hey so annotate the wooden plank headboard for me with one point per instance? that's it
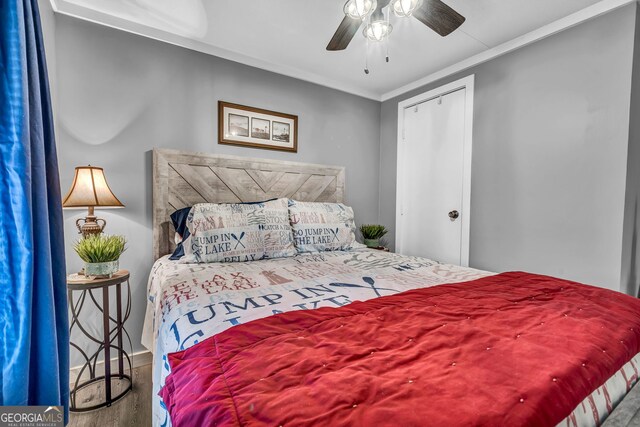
(182, 179)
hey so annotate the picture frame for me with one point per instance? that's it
(252, 127)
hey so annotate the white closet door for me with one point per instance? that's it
(431, 179)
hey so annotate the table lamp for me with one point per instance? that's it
(90, 190)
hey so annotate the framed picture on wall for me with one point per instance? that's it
(256, 128)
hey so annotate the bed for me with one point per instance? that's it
(205, 320)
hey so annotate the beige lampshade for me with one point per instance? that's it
(90, 188)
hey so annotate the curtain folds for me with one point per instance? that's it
(34, 342)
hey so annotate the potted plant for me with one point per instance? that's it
(372, 233)
(100, 253)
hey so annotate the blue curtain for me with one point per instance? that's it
(34, 338)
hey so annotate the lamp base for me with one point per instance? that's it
(90, 225)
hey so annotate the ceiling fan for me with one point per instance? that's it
(433, 13)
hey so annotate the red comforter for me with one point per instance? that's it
(510, 350)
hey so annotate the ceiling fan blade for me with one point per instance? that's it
(343, 35)
(439, 17)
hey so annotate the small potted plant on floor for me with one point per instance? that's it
(100, 254)
(372, 233)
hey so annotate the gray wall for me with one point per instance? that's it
(630, 276)
(120, 95)
(551, 124)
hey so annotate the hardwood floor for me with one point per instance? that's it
(627, 413)
(133, 410)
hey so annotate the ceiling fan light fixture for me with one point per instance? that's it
(377, 31)
(405, 8)
(360, 9)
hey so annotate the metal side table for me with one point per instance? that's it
(112, 337)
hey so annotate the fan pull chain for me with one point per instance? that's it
(366, 58)
(386, 41)
(387, 46)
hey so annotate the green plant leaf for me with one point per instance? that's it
(372, 231)
(100, 248)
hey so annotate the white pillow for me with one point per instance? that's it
(322, 226)
(238, 232)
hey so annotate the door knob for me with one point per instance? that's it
(453, 215)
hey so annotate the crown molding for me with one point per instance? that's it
(593, 11)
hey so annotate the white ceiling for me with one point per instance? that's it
(289, 36)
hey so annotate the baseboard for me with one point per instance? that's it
(138, 359)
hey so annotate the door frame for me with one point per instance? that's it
(466, 83)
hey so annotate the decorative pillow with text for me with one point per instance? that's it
(238, 232)
(321, 227)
